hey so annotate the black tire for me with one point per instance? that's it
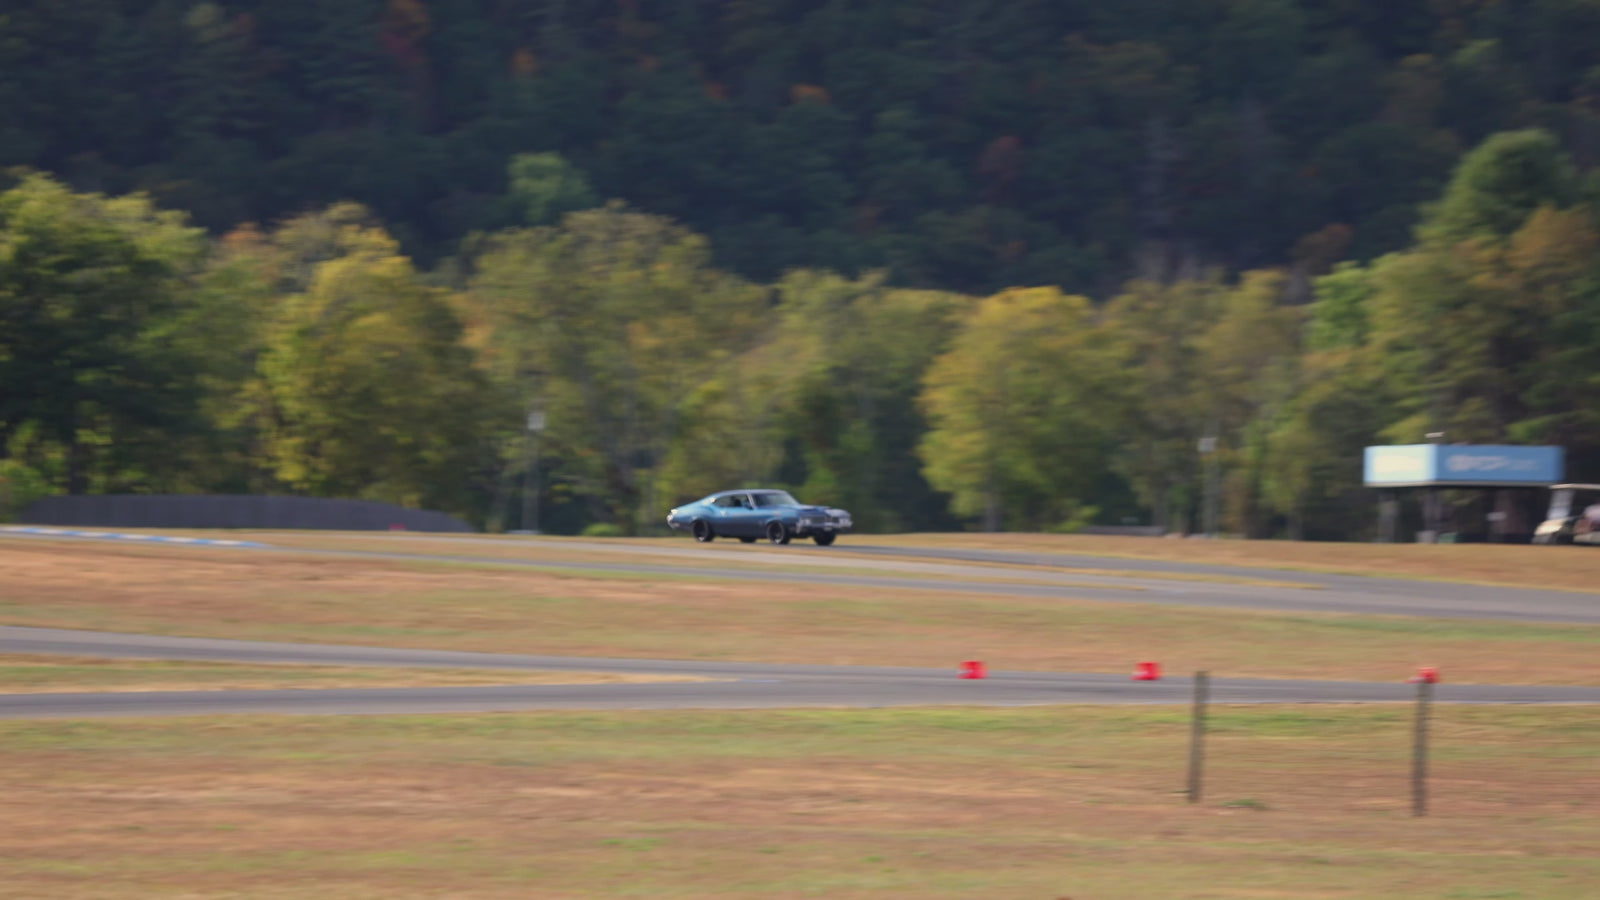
(777, 533)
(702, 532)
(824, 538)
(747, 540)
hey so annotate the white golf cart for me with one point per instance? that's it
(1574, 516)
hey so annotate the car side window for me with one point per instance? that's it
(732, 501)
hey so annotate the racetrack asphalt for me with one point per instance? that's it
(1024, 574)
(975, 571)
(753, 685)
(733, 685)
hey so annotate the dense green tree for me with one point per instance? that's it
(1465, 323)
(608, 322)
(1156, 329)
(93, 291)
(1499, 184)
(1309, 471)
(222, 330)
(1208, 365)
(727, 432)
(1418, 173)
(958, 146)
(1018, 411)
(1249, 356)
(545, 187)
(365, 387)
(846, 364)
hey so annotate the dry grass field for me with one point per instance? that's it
(1062, 802)
(1555, 568)
(1068, 802)
(729, 555)
(264, 595)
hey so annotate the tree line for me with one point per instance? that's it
(140, 354)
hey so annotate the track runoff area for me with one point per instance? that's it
(973, 682)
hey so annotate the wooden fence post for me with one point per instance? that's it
(1197, 734)
(1419, 750)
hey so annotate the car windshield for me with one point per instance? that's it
(775, 498)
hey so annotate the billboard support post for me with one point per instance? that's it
(1388, 516)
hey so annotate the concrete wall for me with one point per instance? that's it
(234, 511)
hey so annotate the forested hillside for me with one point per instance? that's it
(983, 264)
(960, 144)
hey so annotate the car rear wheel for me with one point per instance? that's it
(702, 532)
(777, 533)
(824, 538)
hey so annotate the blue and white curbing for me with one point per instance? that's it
(124, 536)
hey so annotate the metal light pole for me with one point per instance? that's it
(1208, 512)
(530, 498)
(1433, 501)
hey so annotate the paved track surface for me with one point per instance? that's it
(978, 571)
(737, 685)
(996, 572)
(749, 685)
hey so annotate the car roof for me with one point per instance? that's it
(747, 491)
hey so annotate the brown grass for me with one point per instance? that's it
(1554, 568)
(276, 596)
(33, 674)
(1563, 568)
(761, 557)
(1037, 803)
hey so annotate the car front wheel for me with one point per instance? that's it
(823, 538)
(777, 533)
(702, 532)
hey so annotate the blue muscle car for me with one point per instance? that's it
(748, 515)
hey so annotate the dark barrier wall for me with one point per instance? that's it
(233, 511)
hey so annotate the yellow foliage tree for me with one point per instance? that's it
(1019, 410)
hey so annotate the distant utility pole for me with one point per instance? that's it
(530, 477)
(1208, 512)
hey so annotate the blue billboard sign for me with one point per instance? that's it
(1463, 465)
